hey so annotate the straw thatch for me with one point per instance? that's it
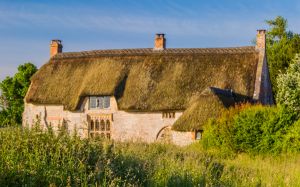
(143, 79)
(208, 105)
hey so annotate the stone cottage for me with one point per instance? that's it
(145, 94)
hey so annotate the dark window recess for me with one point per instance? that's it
(107, 125)
(168, 115)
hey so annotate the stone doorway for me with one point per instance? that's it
(164, 135)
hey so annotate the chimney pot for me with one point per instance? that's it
(160, 41)
(261, 39)
(55, 47)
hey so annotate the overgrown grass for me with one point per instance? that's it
(33, 158)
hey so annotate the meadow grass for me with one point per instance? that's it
(36, 158)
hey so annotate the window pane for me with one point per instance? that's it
(100, 102)
(102, 135)
(102, 125)
(107, 125)
(97, 125)
(92, 125)
(93, 102)
(198, 135)
(106, 103)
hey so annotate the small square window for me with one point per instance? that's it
(198, 134)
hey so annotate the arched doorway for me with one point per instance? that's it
(164, 135)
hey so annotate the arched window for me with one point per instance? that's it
(97, 125)
(102, 125)
(107, 125)
(92, 125)
(102, 135)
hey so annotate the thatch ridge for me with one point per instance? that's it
(147, 51)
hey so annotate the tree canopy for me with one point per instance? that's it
(282, 46)
(13, 90)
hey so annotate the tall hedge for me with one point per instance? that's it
(254, 129)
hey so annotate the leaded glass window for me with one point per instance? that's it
(102, 102)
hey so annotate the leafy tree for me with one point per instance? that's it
(13, 90)
(282, 45)
(288, 93)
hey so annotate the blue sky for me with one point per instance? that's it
(27, 26)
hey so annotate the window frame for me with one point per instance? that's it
(201, 134)
(100, 102)
(100, 128)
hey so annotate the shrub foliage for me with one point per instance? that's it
(254, 129)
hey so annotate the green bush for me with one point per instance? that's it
(253, 129)
(291, 141)
(262, 129)
(219, 132)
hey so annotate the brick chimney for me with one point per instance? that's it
(160, 42)
(55, 47)
(261, 39)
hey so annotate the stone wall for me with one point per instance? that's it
(125, 126)
(182, 138)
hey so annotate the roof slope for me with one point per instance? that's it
(144, 79)
(208, 105)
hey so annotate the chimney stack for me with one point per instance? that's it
(160, 42)
(55, 47)
(261, 39)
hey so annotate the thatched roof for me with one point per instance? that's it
(143, 79)
(209, 104)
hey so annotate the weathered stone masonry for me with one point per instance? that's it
(125, 126)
